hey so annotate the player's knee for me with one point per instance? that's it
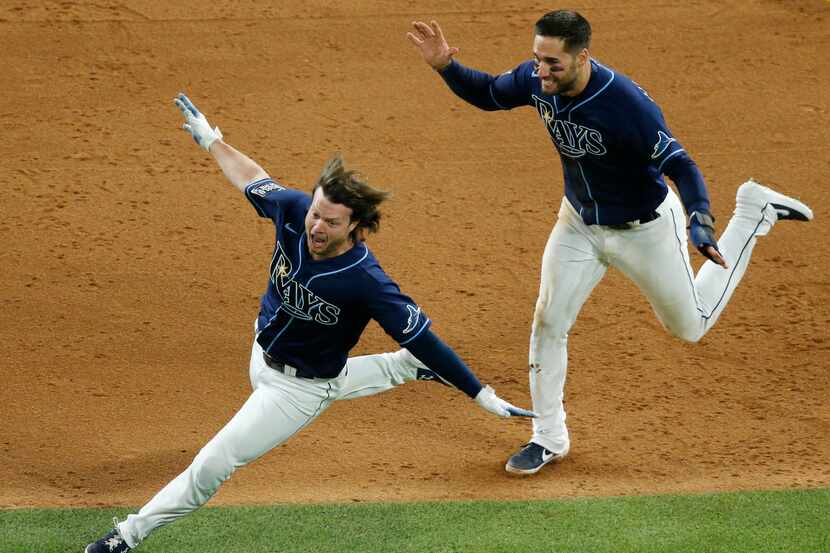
(405, 358)
(547, 323)
(401, 366)
(209, 469)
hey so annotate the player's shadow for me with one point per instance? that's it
(113, 473)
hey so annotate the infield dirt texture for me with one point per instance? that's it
(132, 269)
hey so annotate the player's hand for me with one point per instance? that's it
(702, 235)
(429, 39)
(488, 399)
(196, 123)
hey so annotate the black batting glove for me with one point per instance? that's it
(702, 231)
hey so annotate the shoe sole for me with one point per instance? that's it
(798, 211)
(786, 213)
(527, 472)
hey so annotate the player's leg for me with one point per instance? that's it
(366, 375)
(757, 210)
(655, 257)
(278, 407)
(572, 266)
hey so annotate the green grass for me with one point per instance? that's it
(797, 521)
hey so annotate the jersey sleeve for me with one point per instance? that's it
(512, 88)
(491, 93)
(270, 198)
(652, 139)
(396, 313)
(689, 181)
(656, 144)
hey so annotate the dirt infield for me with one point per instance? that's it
(132, 270)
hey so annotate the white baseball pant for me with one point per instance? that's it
(654, 255)
(279, 407)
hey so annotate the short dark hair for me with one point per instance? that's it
(349, 188)
(570, 26)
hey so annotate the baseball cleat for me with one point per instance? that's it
(785, 207)
(111, 543)
(531, 458)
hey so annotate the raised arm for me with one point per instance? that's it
(430, 41)
(238, 168)
(485, 91)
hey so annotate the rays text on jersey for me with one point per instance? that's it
(571, 140)
(297, 300)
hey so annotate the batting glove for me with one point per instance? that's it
(702, 231)
(488, 399)
(196, 123)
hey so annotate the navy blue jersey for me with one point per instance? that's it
(612, 139)
(313, 312)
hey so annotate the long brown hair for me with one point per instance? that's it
(349, 188)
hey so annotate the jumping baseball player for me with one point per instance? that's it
(323, 287)
(615, 147)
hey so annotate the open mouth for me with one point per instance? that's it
(318, 242)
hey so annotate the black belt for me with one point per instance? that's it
(633, 224)
(287, 370)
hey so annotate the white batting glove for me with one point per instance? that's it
(488, 399)
(196, 123)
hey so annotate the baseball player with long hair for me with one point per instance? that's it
(324, 285)
(615, 147)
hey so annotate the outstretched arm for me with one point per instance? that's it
(485, 91)
(238, 168)
(441, 359)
